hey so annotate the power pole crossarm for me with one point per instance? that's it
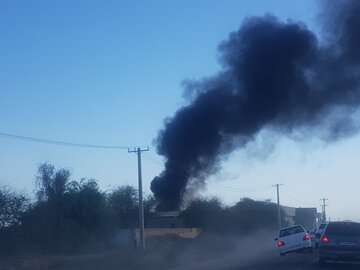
(141, 203)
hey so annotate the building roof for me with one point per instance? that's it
(168, 214)
(289, 211)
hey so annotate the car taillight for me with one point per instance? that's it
(280, 243)
(325, 239)
(306, 237)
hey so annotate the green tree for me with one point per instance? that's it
(85, 205)
(12, 207)
(123, 203)
(250, 215)
(150, 203)
(204, 213)
(51, 184)
(68, 214)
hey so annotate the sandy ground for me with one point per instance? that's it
(208, 252)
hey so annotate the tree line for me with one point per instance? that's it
(68, 216)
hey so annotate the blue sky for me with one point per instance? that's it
(110, 72)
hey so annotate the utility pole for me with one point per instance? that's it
(278, 203)
(141, 204)
(323, 206)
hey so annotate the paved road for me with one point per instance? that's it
(294, 261)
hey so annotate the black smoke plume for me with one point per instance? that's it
(276, 75)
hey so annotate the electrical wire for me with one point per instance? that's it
(153, 158)
(244, 189)
(62, 143)
(148, 157)
(295, 198)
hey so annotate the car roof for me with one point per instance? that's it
(343, 222)
(289, 227)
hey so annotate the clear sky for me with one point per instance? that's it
(110, 72)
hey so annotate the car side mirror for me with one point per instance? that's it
(276, 239)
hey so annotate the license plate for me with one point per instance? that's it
(347, 244)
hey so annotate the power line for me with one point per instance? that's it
(62, 143)
(153, 160)
(243, 189)
(295, 198)
(228, 188)
(161, 164)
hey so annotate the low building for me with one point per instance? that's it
(168, 219)
(306, 217)
(289, 214)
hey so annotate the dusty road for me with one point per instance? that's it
(268, 261)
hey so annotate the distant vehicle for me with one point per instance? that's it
(340, 241)
(293, 239)
(318, 233)
(312, 237)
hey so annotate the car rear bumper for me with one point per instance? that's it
(344, 255)
(302, 246)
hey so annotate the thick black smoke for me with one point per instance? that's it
(276, 75)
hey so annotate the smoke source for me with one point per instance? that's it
(275, 75)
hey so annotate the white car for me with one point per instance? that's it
(293, 239)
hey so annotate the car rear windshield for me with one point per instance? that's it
(343, 229)
(322, 226)
(291, 231)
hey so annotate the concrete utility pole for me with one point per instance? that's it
(141, 204)
(278, 203)
(323, 206)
